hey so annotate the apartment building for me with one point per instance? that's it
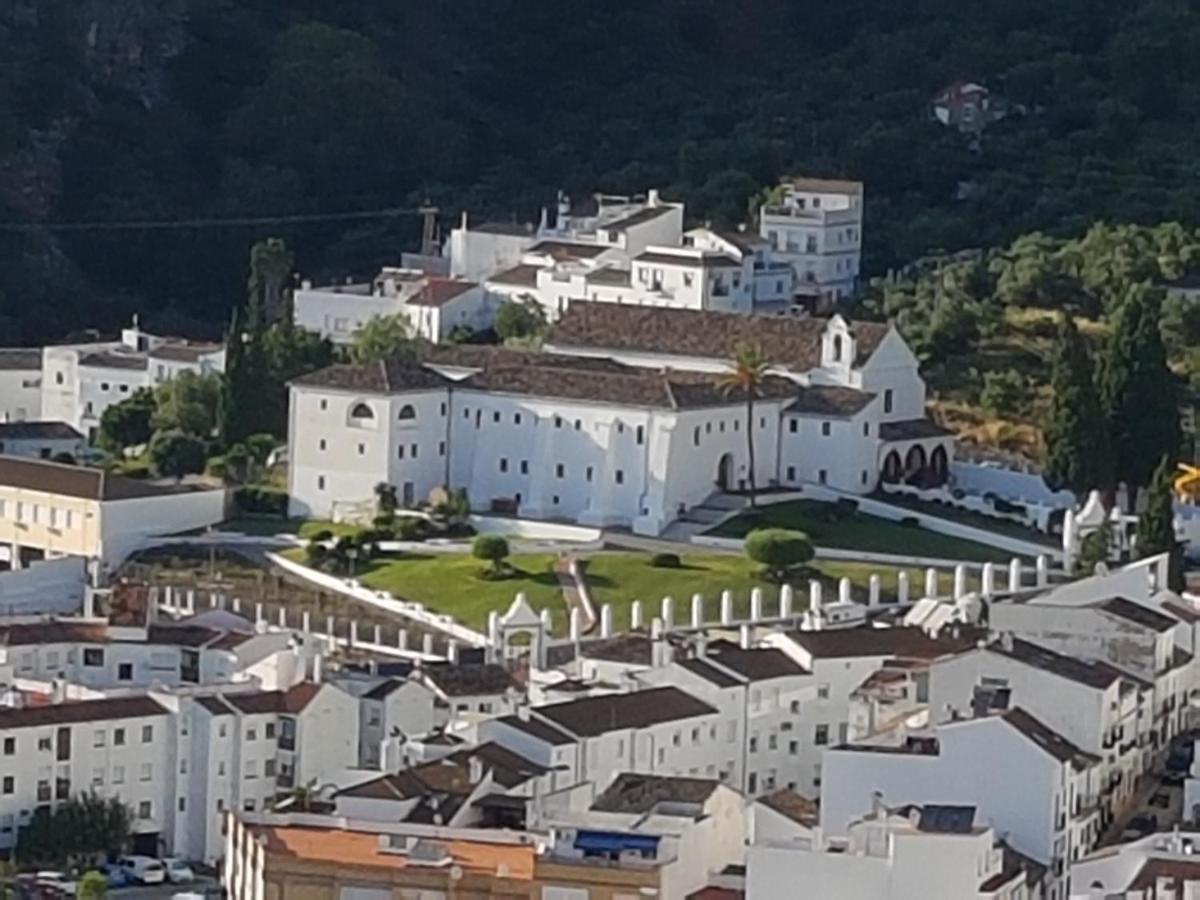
(20, 384)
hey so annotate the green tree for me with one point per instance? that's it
(76, 829)
(1138, 391)
(747, 371)
(778, 550)
(1156, 525)
(1095, 548)
(175, 453)
(128, 423)
(1076, 433)
(384, 338)
(92, 886)
(386, 503)
(1004, 392)
(492, 548)
(518, 320)
(287, 352)
(270, 268)
(189, 402)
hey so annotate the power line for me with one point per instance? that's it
(236, 222)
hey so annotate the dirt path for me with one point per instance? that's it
(571, 595)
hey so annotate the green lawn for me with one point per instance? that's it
(858, 531)
(452, 583)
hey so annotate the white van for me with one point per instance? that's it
(143, 869)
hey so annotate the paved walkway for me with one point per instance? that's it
(570, 591)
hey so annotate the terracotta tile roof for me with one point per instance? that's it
(1069, 667)
(20, 358)
(53, 631)
(755, 664)
(515, 229)
(518, 276)
(1137, 613)
(592, 716)
(568, 250)
(611, 276)
(184, 352)
(38, 431)
(911, 430)
(1176, 872)
(649, 214)
(362, 848)
(689, 260)
(1185, 611)
(786, 341)
(437, 292)
(830, 400)
(867, 641)
(377, 378)
(745, 241)
(630, 647)
(794, 806)
(825, 185)
(710, 673)
(536, 728)
(81, 711)
(289, 702)
(467, 680)
(1048, 739)
(636, 793)
(77, 481)
(103, 359)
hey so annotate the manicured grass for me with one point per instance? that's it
(973, 519)
(452, 583)
(858, 531)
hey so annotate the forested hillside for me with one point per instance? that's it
(161, 109)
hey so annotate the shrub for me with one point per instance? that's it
(492, 548)
(215, 467)
(778, 550)
(665, 560)
(1005, 506)
(261, 501)
(320, 537)
(910, 522)
(411, 528)
(1004, 392)
(315, 554)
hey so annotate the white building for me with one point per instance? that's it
(928, 851)
(120, 747)
(1156, 867)
(20, 384)
(80, 381)
(50, 509)
(1024, 780)
(434, 306)
(40, 440)
(629, 399)
(817, 227)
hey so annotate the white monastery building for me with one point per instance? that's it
(623, 421)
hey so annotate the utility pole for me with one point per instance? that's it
(429, 228)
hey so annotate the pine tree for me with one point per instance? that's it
(1138, 391)
(239, 386)
(1078, 454)
(1156, 525)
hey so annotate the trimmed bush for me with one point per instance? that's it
(779, 550)
(493, 548)
(261, 501)
(665, 561)
(411, 528)
(320, 537)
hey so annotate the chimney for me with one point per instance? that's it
(523, 712)
(1006, 641)
(878, 810)
(652, 198)
(464, 220)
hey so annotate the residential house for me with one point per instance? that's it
(20, 384)
(1155, 867)
(40, 440)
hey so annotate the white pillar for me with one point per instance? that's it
(988, 579)
(427, 644)
(378, 636)
(452, 651)
(329, 631)
(960, 581)
(258, 614)
(1014, 574)
(547, 621)
(744, 636)
(902, 587)
(606, 621)
(873, 590)
(1043, 570)
(931, 582)
(843, 590)
(726, 607)
(237, 604)
(283, 617)
(191, 601)
(306, 622)
(756, 598)
(697, 611)
(786, 599)
(635, 615)
(668, 613)
(353, 632)
(574, 629)
(402, 639)
(814, 595)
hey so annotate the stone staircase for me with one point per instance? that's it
(714, 509)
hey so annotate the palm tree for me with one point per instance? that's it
(747, 371)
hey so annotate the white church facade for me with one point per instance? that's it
(620, 421)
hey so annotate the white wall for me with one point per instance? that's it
(338, 314)
(20, 394)
(48, 587)
(125, 524)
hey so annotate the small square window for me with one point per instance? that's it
(503, 464)
(524, 467)
(125, 672)
(147, 734)
(826, 429)
(145, 809)
(93, 656)
(619, 476)
(793, 426)
(118, 737)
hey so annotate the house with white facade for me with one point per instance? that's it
(1156, 867)
(80, 381)
(1052, 818)
(628, 398)
(931, 851)
(816, 227)
(50, 510)
(20, 384)
(433, 305)
(772, 280)
(40, 440)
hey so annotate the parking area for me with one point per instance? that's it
(202, 885)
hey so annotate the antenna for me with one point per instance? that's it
(429, 215)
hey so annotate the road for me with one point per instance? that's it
(164, 891)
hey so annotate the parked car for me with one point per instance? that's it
(1140, 826)
(178, 872)
(56, 881)
(1161, 799)
(114, 876)
(143, 869)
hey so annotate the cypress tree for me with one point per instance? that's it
(1156, 525)
(1078, 455)
(1138, 391)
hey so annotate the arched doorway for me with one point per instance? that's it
(891, 467)
(725, 472)
(914, 460)
(939, 465)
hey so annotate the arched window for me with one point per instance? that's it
(361, 411)
(407, 412)
(837, 348)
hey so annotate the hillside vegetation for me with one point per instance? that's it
(162, 109)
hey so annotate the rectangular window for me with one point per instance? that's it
(268, 768)
(793, 425)
(400, 452)
(10, 784)
(791, 473)
(619, 476)
(559, 470)
(821, 735)
(496, 417)
(441, 448)
(118, 775)
(125, 672)
(98, 777)
(413, 448)
(503, 464)
(10, 746)
(93, 656)
(826, 429)
(270, 731)
(641, 434)
(320, 482)
(145, 810)
(524, 467)
(516, 418)
(589, 473)
(118, 737)
(146, 772)
(251, 734)
(98, 738)
(251, 770)
(822, 476)
(147, 734)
